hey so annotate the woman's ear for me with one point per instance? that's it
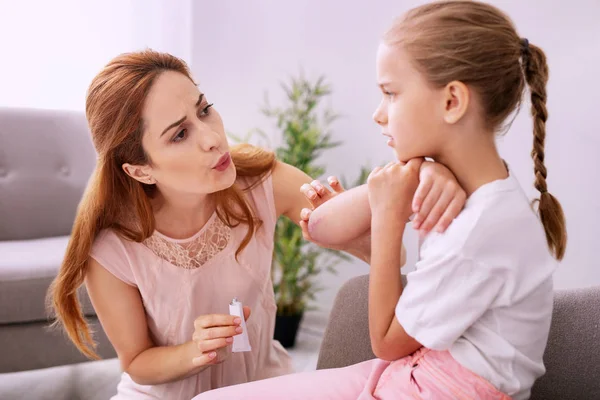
(141, 173)
(456, 101)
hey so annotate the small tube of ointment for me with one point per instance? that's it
(240, 341)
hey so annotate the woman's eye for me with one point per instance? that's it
(180, 135)
(205, 111)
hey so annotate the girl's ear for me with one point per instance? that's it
(456, 101)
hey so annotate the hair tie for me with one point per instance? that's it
(524, 46)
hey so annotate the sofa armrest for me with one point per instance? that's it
(346, 340)
(572, 357)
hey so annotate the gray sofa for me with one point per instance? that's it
(46, 158)
(572, 357)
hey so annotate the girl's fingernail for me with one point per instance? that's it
(237, 321)
(239, 329)
(311, 193)
(229, 340)
(212, 355)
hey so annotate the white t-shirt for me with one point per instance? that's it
(483, 289)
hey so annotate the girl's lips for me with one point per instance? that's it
(390, 141)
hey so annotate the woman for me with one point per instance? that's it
(172, 227)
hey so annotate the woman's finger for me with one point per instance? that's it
(247, 312)
(335, 184)
(319, 188)
(213, 344)
(308, 192)
(305, 214)
(204, 359)
(215, 333)
(213, 320)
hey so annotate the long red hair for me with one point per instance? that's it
(114, 113)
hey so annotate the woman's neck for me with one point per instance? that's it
(180, 216)
(474, 161)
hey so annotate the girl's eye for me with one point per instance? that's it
(180, 135)
(205, 111)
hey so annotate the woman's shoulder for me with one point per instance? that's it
(113, 251)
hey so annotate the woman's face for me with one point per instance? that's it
(184, 139)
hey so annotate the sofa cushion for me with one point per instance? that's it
(26, 270)
(572, 356)
(46, 160)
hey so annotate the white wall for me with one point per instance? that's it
(238, 50)
(51, 50)
(242, 49)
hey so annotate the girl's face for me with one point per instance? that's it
(185, 140)
(411, 111)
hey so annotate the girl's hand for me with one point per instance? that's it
(392, 188)
(438, 199)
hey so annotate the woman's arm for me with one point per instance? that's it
(121, 312)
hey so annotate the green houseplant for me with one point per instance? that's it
(305, 129)
(304, 125)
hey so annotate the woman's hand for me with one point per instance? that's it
(213, 337)
(316, 193)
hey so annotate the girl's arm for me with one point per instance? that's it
(341, 219)
(290, 201)
(346, 216)
(389, 341)
(391, 190)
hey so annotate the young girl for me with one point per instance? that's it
(172, 227)
(473, 320)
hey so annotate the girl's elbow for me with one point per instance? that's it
(380, 350)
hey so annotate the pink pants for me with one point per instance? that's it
(426, 374)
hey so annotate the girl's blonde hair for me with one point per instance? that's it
(477, 44)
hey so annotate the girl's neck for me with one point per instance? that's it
(180, 216)
(474, 161)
